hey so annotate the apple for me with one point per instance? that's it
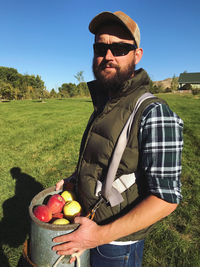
(56, 203)
(72, 209)
(42, 213)
(61, 221)
(68, 196)
(58, 215)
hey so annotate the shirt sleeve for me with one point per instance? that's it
(161, 144)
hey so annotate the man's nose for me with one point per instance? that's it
(109, 55)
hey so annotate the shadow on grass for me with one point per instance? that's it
(15, 225)
(89, 101)
(80, 100)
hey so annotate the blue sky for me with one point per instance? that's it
(51, 37)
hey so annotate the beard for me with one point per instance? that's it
(115, 82)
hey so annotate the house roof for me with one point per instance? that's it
(189, 77)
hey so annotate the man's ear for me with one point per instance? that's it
(138, 55)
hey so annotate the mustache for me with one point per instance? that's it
(105, 64)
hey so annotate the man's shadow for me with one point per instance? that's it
(15, 225)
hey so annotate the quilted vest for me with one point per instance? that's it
(99, 140)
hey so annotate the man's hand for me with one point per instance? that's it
(87, 236)
(90, 235)
(67, 182)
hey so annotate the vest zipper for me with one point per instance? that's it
(83, 150)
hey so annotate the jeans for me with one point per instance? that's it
(117, 256)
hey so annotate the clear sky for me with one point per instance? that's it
(51, 37)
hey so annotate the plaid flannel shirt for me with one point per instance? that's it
(161, 144)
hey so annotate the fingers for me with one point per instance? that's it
(80, 239)
(70, 236)
(72, 259)
(63, 238)
(66, 183)
(65, 248)
(70, 251)
(76, 255)
(59, 185)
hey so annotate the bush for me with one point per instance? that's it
(6, 91)
(195, 91)
(83, 89)
(186, 86)
(168, 90)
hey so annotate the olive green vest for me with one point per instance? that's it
(99, 140)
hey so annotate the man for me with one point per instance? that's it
(152, 154)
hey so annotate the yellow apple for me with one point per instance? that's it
(67, 195)
(72, 209)
(61, 221)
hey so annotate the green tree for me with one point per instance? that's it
(45, 94)
(151, 86)
(7, 91)
(83, 89)
(22, 86)
(155, 89)
(53, 93)
(68, 90)
(8, 74)
(174, 83)
(79, 76)
(37, 84)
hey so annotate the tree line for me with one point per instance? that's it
(14, 85)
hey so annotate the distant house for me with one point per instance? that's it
(192, 79)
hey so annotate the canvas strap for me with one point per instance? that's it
(112, 189)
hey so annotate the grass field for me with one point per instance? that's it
(39, 145)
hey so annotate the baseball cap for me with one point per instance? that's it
(119, 17)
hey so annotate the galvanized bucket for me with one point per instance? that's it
(42, 234)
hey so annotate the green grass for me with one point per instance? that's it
(39, 145)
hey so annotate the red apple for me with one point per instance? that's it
(58, 215)
(56, 203)
(43, 213)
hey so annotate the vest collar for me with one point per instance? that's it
(100, 96)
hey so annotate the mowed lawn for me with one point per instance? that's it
(39, 144)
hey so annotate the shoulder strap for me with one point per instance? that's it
(111, 194)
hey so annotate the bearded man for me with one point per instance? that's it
(150, 165)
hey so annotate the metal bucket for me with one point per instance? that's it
(42, 234)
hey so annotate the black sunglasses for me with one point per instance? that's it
(117, 49)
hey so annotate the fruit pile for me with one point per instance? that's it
(60, 209)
